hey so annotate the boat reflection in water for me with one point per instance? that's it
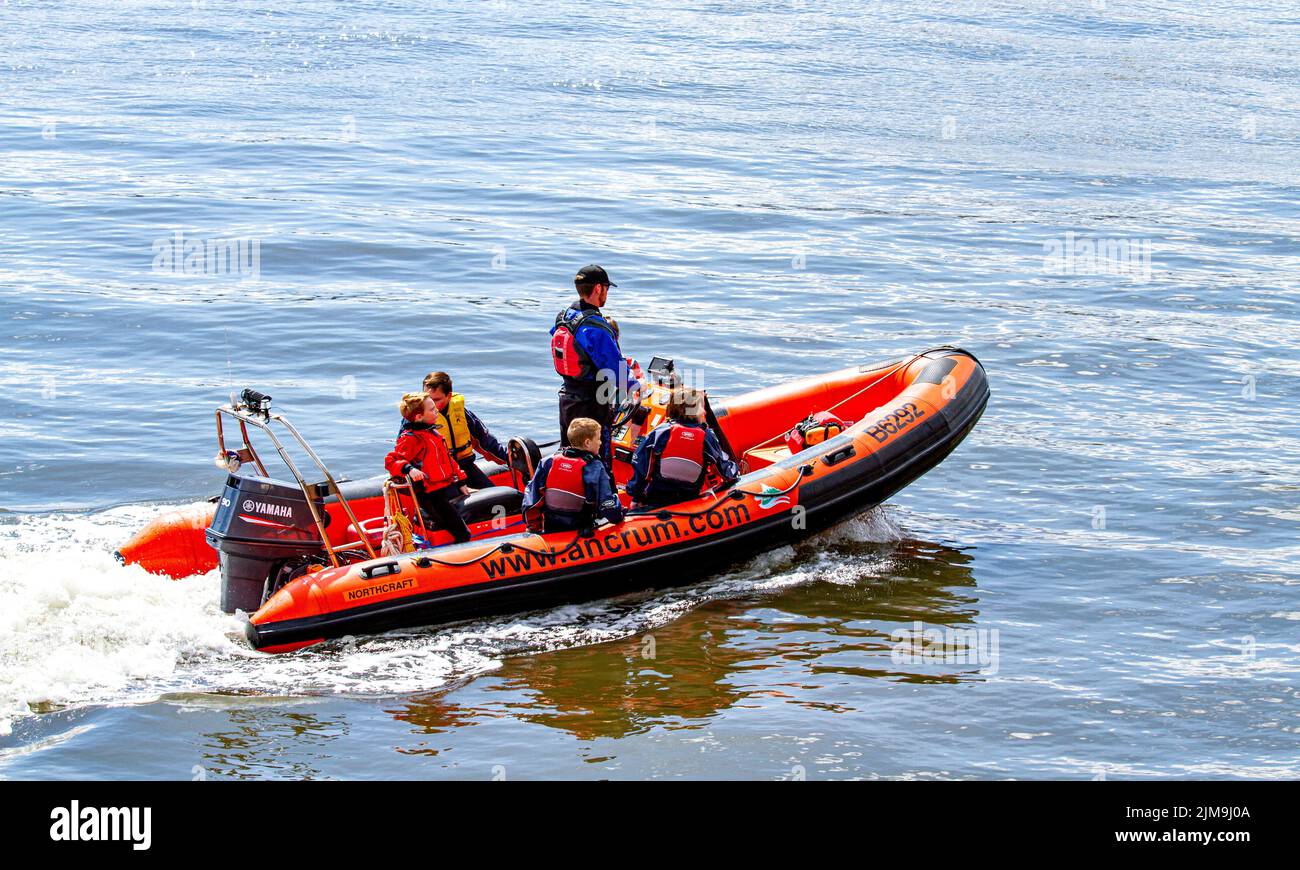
(849, 614)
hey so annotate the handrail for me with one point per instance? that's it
(262, 421)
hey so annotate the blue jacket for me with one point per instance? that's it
(602, 501)
(599, 344)
(662, 492)
(485, 440)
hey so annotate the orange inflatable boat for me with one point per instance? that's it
(306, 559)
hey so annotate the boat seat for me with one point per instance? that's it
(354, 490)
(762, 457)
(477, 507)
(373, 487)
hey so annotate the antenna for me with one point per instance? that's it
(230, 369)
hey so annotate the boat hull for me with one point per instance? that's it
(911, 417)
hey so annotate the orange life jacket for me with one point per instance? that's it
(817, 428)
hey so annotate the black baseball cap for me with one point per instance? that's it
(593, 274)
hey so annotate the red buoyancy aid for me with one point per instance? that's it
(568, 357)
(566, 492)
(634, 369)
(682, 459)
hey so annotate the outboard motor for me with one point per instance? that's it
(260, 523)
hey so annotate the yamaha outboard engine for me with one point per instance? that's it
(260, 523)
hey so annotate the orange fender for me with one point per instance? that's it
(173, 544)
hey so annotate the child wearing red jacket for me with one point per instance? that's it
(421, 453)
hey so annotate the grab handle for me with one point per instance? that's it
(838, 456)
(383, 569)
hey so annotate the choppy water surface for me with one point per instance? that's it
(1098, 202)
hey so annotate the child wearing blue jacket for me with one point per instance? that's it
(572, 487)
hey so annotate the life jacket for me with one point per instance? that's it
(453, 426)
(571, 361)
(565, 491)
(682, 460)
(817, 428)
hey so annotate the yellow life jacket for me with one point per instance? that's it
(454, 428)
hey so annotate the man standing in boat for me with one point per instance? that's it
(585, 353)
